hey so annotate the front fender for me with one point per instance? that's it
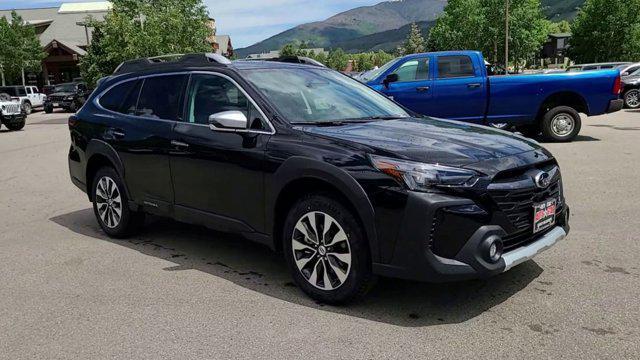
(297, 167)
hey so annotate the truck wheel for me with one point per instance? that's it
(326, 250)
(26, 107)
(15, 125)
(110, 205)
(632, 98)
(48, 109)
(561, 124)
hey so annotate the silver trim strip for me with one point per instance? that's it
(526, 253)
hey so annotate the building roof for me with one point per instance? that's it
(61, 22)
(560, 35)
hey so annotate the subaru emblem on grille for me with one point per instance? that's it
(542, 179)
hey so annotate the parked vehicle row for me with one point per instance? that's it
(29, 97)
(344, 182)
(455, 85)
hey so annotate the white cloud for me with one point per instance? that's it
(250, 21)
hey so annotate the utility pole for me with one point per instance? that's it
(506, 37)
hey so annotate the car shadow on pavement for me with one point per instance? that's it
(254, 266)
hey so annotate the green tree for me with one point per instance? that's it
(606, 31)
(560, 27)
(20, 49)
(414, 43)
(480, 25)
(144, 28)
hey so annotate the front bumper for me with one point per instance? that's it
(415, 259)
(58, 104)
(615, 105)
(13, 118)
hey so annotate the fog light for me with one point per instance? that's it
(491, 248)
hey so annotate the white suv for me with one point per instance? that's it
(28, 96)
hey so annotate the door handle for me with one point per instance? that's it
(474, 85)
(116, 133)
(423, 88)
(179, 144)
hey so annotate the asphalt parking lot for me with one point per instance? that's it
(177, 291)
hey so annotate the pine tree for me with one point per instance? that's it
(415, 41)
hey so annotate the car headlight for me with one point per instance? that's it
(3, 107)
(424, 177)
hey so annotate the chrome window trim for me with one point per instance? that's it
(96, 102)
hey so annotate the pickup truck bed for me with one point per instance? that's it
(455, 85)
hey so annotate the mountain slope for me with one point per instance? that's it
(353, 23)
(386, 40)
(380, 27)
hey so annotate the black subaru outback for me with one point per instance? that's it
(344, 182)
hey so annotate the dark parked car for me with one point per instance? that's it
(68, 96)
(344, 182)
(631, 90)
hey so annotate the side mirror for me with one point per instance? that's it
(391, 78)
(233, 120)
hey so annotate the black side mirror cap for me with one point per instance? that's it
(391, 78)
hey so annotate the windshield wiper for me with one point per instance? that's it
(319, 123)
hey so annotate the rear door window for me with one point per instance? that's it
(455, 66)
(161, 97)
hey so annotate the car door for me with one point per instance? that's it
(218, 175)
(460, 89)
(144, 113)
(414, 88)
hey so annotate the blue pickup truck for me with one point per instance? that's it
(457, 85)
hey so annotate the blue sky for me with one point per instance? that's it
(247, 21)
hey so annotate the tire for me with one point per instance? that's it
(27, 108)
(561, 124)
(110, 205)
(346, 253)
(48, 109)
(632, 98)
(15, 125)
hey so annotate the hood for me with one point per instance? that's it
(431, 140)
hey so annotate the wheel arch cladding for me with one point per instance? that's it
(298, 176)
(100, 154)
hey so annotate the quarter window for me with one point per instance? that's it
(114, 98)
(161, 96)
(413, 70)
(210, 94)
(455, 66)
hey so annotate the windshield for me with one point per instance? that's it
(13, 91)
(65, 88)
(315, 95)
(372, 74)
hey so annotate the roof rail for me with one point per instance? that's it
(201, 59)
(298, 60)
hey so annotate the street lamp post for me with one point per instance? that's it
(506, 37)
